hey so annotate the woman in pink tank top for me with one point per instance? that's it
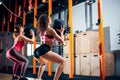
(43, 53)
(14, 55)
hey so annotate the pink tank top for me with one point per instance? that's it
(47, 37)
(18, 45)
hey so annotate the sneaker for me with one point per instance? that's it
(23, 78)
(14, 78)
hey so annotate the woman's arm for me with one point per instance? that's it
(14, 37)
(61, 31)
(60, 37)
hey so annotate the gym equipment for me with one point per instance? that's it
(27, 31)
(57, 25)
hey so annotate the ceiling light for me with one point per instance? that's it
(0, 2)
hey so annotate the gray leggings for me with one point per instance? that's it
(16, 57)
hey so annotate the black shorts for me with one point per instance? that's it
(41, 50)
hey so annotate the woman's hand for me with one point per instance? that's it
(32, 33)
(61, 30)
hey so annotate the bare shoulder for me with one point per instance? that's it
(20, 37)
(50, 30)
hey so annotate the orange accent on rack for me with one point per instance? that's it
(71, 55)
(35, 25)
(15, 18)
(24, 13)
(24, 22)
(49, 14)
(101, 40)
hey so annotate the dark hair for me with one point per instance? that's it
(17, 28)
(43, 21)
(57, 24)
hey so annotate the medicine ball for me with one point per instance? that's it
(57, 25)
(27, 31)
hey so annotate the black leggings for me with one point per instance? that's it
(16, 57)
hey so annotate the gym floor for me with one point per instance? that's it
(7, 75)
(4, 76)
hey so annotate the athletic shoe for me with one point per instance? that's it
(23, 78)
(14, 78)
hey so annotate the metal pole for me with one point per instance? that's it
(91, 21)
(49, 14)
(24, 22)
(35, 25)
(101, 40)
(7, 35)
(71, 56)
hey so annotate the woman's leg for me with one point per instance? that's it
(15, 65)
(54, 57)
(24, 66)
(42, 66)
(15, 56)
